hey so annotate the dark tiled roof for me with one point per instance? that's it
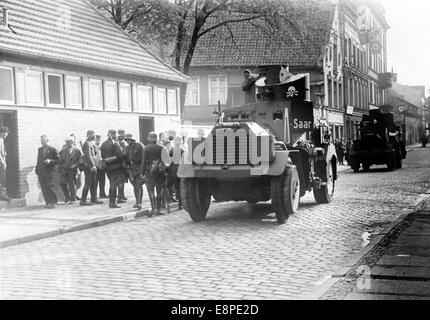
(41, 30)
(251, 45)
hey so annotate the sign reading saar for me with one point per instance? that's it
(301, 116)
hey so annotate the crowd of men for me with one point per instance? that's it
(121, 158)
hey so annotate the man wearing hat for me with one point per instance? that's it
(134, 156)
(155, 157)
(248, 86)
(4, 132)
(113, 156)
(123, 145)
(90, 170)
(101, 173)
(69, 161)
(47, 159)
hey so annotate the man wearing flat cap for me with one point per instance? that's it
(123, 145)
(113, 157)
(70, 157)
(134, 156)
(47, 159)
(4, 132)
(90, 170)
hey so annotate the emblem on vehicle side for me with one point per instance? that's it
(292, 92)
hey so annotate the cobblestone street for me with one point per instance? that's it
(239, 252)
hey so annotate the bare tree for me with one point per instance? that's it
(184, 22)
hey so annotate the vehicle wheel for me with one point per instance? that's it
(301, 173)
(391, 161)
(285, 193)
(355, 165)
(325, 193)
(366, 167)
(196, 198)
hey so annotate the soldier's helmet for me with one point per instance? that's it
(91, 133)
(152, 136)
(129, 136)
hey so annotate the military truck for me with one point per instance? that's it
(379, 143)
(268, 150)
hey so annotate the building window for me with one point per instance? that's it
(330, 95)
(336, 97)
(95, 94)
(161, 106)
(111, 96)
(125, 96)
(55, 89)
(34, 87)
(6, 88)
(144, 99)
(172, 101)
(217, 89)
(73, 92)
(193, 92)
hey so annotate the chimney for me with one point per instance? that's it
(5, 21)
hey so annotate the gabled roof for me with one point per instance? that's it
(73, 31)
(248, 45)
(410, 94)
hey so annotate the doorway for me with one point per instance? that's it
(9, 119)
(146, 125)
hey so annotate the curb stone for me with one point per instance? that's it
(78, 227)
(374, 242)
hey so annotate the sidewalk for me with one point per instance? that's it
(403, 271)
(33, 223)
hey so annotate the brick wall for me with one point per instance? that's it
(57, 124)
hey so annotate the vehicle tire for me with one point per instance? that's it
(391, 161)
(285, 193)
(325, 193)
(355, 165)
(366, 167)
(196, 198)
(301, 173)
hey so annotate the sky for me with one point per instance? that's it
(408, 40)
